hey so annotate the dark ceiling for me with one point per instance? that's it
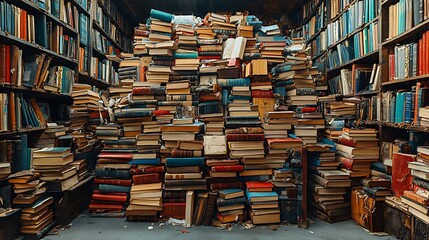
(139, 9)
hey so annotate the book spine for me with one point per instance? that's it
(118, 182)
(105, 188)
(112, 173)
(147, 178)
(111, 198)
(245, 137)
(235, 168)
(157, 169)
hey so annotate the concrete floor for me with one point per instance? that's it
(87, 228)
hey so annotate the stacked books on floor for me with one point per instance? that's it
(231, 205)
(328, 191)
(416, 198)
(36, 213)
(264, 205)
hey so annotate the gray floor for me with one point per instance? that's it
(85, 227)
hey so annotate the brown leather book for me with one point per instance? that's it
(2, 63)
(11, 110)
(14, 52)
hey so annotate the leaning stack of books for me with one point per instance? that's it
(85, 101)
(416, 199)
(141, 37)
(328, 189)
(231, 205)
(145, 197)
(356, 150)
(264, 206)
(27, 186)
(277, 124)
(113, 184)
(55, 166)
(37, 219)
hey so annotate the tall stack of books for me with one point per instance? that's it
(328, 190)
(356, 150)
(416, 199)
(113, 184)
(231, 205)
(263, 202)
(55, 167)
(85, 101)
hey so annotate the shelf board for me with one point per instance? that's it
(22, 130)
(360, 28)
(409, 35)
(405, 126)
(37, 93)
(85, 78)
(101, 30)
(363, 58)
(34, 8)
(405, 82)
(57, 58)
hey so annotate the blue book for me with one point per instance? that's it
(229, 191)
(106, 188)
(225, 97)
(251, 195)
(41, 30)
(186, 55)
(133, 114)
(232, 97)
(147, 161)
(55, 8)
(83, 29)
(112, 173)
(183, 162)
(163, 16)
(399, 109)
(231, 82)
(407, 110)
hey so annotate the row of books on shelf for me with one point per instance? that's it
(361, 78)
(404, 15)
(356, 16)
(309, 7)
(102, 44)
(335, 7)
(403, 106)
(315, 24)
(18, 68)
(119, 18)
(362, 43)
(103, 70)
(110, 28)
(409, 60)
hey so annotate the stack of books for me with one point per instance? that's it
(113, 184)
(279, 151)
(179, 92)
(322, 160)
(277, 124)
(356, 150)
(108, 132)
(263, 202)
(273, 51)
(141, 37)
(328, 189)
(27, 187)
(239, 105)
(210, 106)
(38, 218)
(231, 205)
(424, 116)
(174, 204)
(416, 199)
(85, 101)
(145, 197)
(55, 166)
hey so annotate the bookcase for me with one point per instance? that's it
(374, 53)
(107, 35)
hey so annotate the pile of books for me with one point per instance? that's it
(27, 187)
(356, 150)
(263, 202)
(231, 205)
(328, 190)
(55, 166)
(416, 199)
(37, 219)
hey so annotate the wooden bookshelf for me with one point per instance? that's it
(336, 17)
(106, 35)
(409, 35)
(37, 93)
(33, 47)
(405, 82)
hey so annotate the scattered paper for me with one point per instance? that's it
(150, 227)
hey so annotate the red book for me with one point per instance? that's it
(161, 112)
(96, 114)
(401, 177)
(116, 155)
(157, 169)
(256, 186)
(284, 142)
(272, 44)
(184, 153)
(225, 185)
(111, 198)
(426, 48)
(216, 57)
(7, 64)
(233, 168)
(174, 210)
(97, 206)
(210, 97)
(117, 194)
(262, 94)
(141, 91)
(119, 182)
(245, 137)
(2, 63)
(23, 26)
(308, 109)
(391, 67)
(147, 178)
